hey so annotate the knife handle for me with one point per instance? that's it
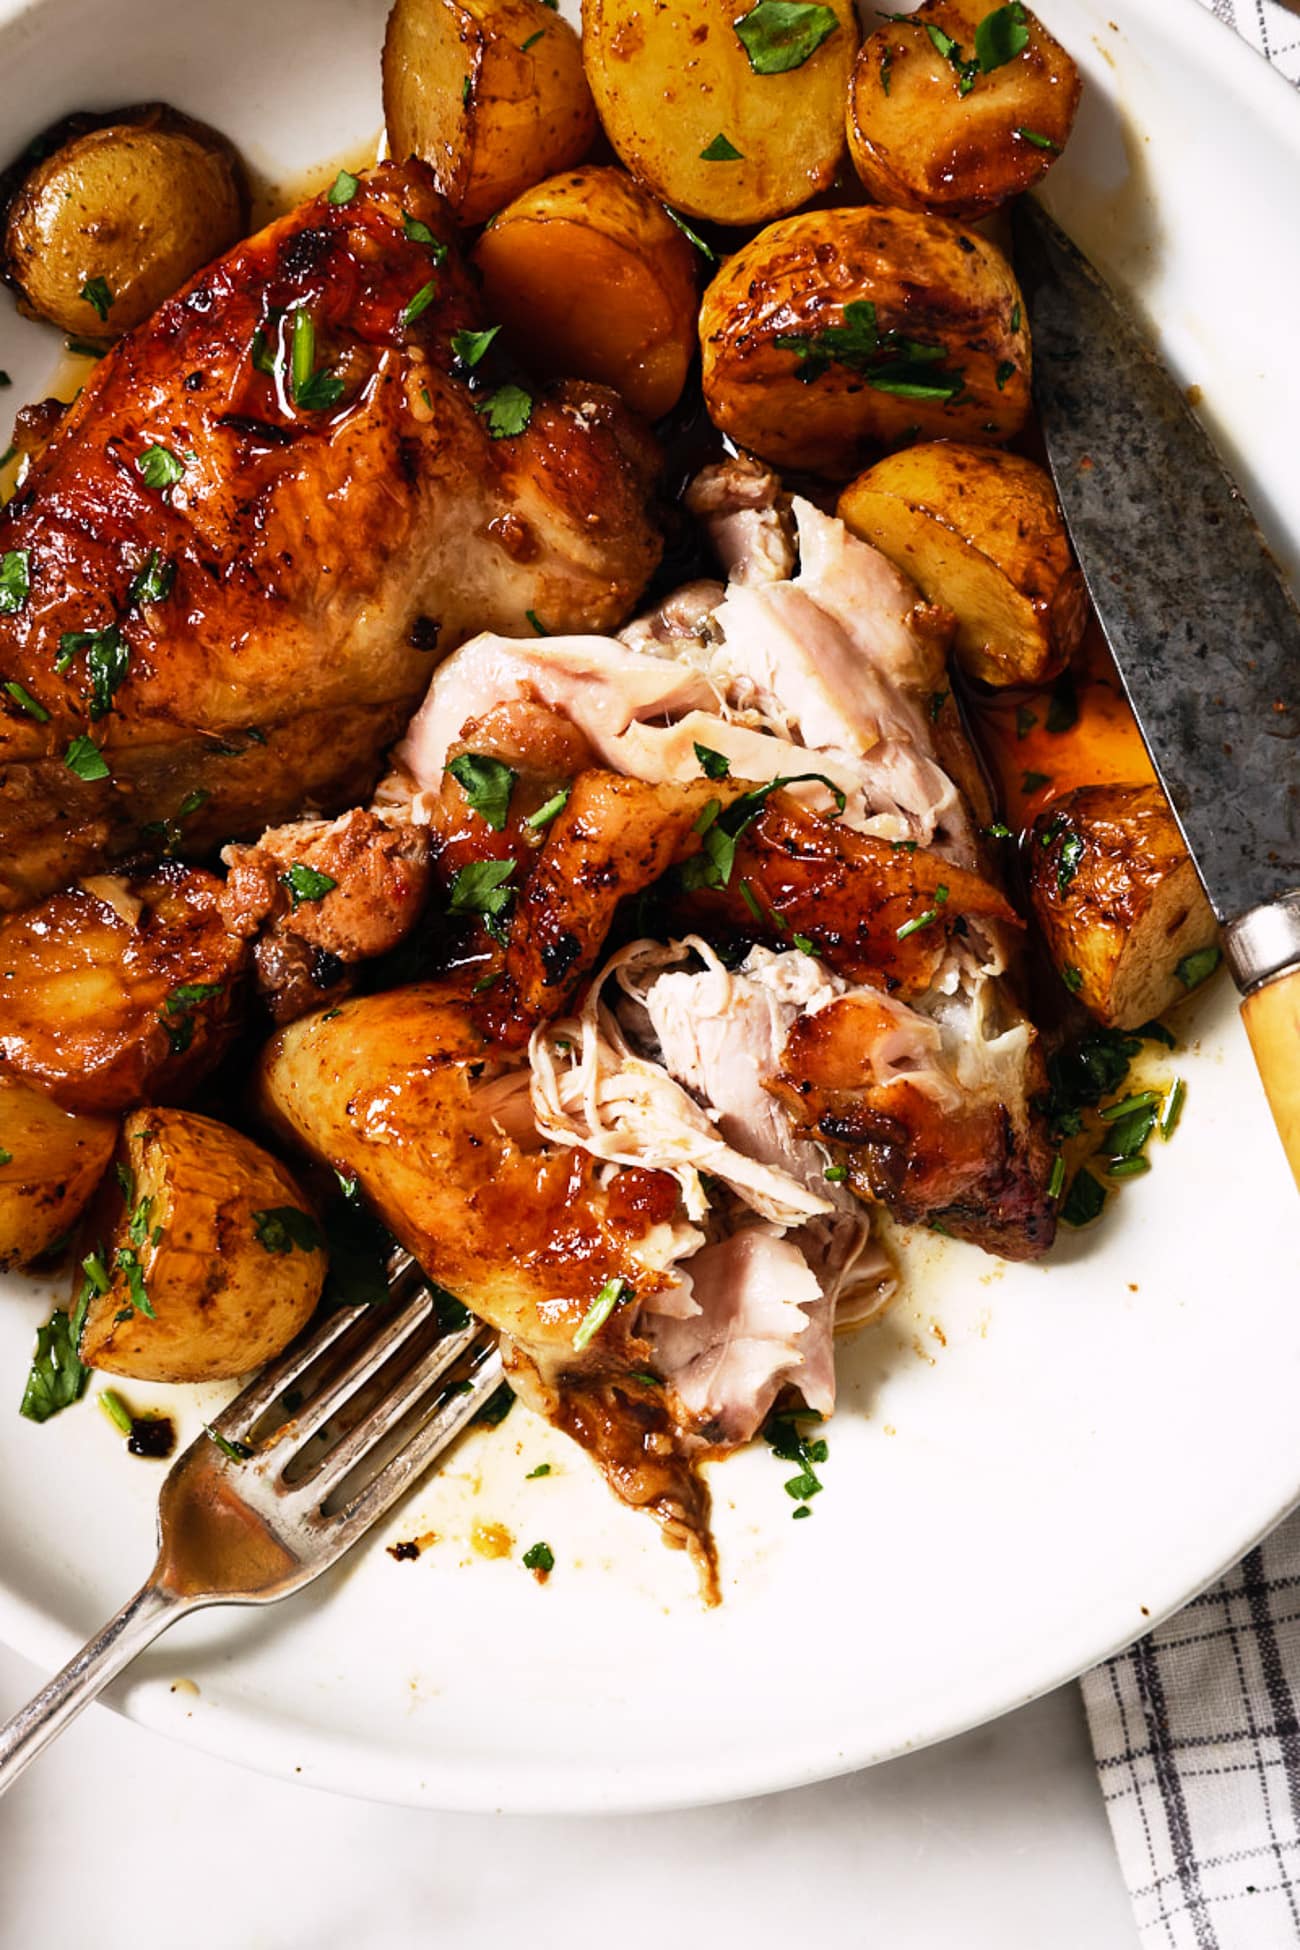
(1271, 1014)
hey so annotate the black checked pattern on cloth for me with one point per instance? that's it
(1195, 1727)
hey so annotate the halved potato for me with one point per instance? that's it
(490, 93)
(1119, 901)
(211, 1256)
(839, 332)
(695, 101)
(121, 215)
(50, 1163)
(933, 126)
(594, 231)
(979, 531)
(118, 989)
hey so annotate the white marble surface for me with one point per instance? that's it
(996, 1841)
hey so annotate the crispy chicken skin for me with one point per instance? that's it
(313, 546)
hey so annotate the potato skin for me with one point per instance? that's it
(917, 143)
(668, 80)
(594, 230)
(55, 1160)
(96, 1011)
(1118, 899)
(488, 114)
(929, 280)
(142, 200)
(223, 1302)
(978, 530)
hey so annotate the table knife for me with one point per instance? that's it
(1203, 631)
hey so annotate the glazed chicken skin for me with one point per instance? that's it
(271, 508)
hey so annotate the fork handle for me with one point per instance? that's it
(85, 1676)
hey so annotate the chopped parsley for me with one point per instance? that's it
(613, 1294)
(1084, 1200)
(152, 583)
(314, 390)
(1015, 316)
(1056, 1183)
(692, 237)
(721, 150)
(1173, 1109)
(1032, 781)
(1004, 372)
(108, 658)
(420, 303)
(539, 628)
(802, 943)
(159, 467)
(788, 1443)
(1000, 36)
(15, 580)
(889, 362)
(551, 810)
(6, 1157)
(480, 888)
(539, 1558)
(420, 233)
(1072, 977)
(712, 764)
(919, 921)
(284, 1227)
(468, 347)
(116, 1410)
(182, 999)
(532, 40)
(306, 884)
(1196, 968)
(96, 294)
(127, 1261)
(57, 1377)
(495, 1409)
(837, 1174)
(232, 1451)
(542, 1469)
(1025, 720)
(1067, 860)
(999, 830)
(1038, 141)
(84, 757)
(487, 784)
(343, 188)
(26, 703)
(712, 865)
(779, 36)
(509, 410)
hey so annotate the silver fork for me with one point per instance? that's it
(298, 1467)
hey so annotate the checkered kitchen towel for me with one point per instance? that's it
(1196, 1727)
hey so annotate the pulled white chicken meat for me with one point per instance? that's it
(763, 791)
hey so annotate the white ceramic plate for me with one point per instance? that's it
(1028, 1463)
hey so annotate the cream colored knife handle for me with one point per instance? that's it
(1271, 1014)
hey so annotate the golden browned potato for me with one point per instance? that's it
(980, 531)
(594, 231)
(491, 94)
(205, 1259)
(1119, 902)
(118, 989)
(50, 1163)
(839, 332)
(119, 217)
(959, 106)
(722, 110)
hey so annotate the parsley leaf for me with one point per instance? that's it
(310, 389)
(127, 1260)
(712, 764)
(692, 237)
(721, 150)
(541, 1558)
(26, 703)
(1196, 968)
(97, 295)
(284, 1227)
(57, 1377)
(159, 467)
(719, 830)
(1067, 860)
(966, 71)
(1084, 1200)
(1038, 141)
(84, 757)
(420, 233)
(153, 582)
(509, 410)
(468, 347)
(890, 363)
(232, 1451)
(480, 888)
(343, 188)
(420, 303)
(487, 783)
(1000, 36)
(551, 810)
(306, 884)
(531, 41)
(778, 36)
(15, 580)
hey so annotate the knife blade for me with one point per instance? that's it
(1204, 633)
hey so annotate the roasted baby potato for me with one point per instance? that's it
(1119, 901)
(490, 93)
(206, 1258)
(839, 332)
(119, 989)
(959, 106)
(594, 230)
(979, 531)
(721, 110)
(119, 217)
(50, 1163)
